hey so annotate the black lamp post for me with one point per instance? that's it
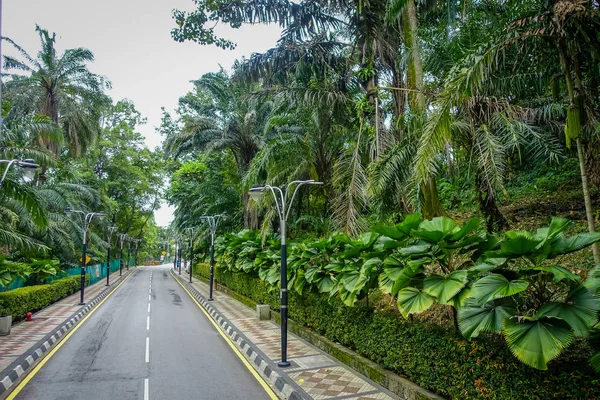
(137, 242)
(87, 219)
(111, 229)
(122, 238)
(129, 240)
(283, 209)
(213, 222)
(179, 245)
(191, 270)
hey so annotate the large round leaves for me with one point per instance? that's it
(436, 229)
(474, 319)
(537, 341)
(592, 283)
(445, 287)
(580, 310)
(411, 301)
(495, 286)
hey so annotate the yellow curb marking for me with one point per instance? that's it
(256, 375)
(60, 343)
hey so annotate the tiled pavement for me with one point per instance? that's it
(27, 335)
(313, 373)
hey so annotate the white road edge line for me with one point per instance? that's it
(147, 349)
(148, 323)
(146, 394)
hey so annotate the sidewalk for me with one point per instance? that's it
(313, 374)
(29, 340)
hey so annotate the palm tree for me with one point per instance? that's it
(566, 26)
(60, 87)
(219, 117)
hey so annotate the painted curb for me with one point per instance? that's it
(265, 367)
(9, 377)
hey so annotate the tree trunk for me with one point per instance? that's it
(584, 179)
(432, 207)
(415, 63)
(250, 213)
(587, 199)
(495, 221)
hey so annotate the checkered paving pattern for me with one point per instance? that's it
(253, 324)
(263, 336)
(14, 348)
(295, 348)
(63, 311)
(237, 314)
(37, 326)
(376, 396)
(5, 361)
(326, 383)
(16, 336)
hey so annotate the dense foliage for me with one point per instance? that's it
(90, 156)
(463, 111)
(511, 284)
(435, 358)
(19, 302)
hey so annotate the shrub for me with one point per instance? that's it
(20, 301)
(437, 359)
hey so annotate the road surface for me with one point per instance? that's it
(149, 340)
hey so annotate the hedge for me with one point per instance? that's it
(436, 359)
(19, 302)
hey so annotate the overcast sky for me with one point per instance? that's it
(133, 48)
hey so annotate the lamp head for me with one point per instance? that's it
(28, 166)
(68, 210)
(100, 214)
(256, 192)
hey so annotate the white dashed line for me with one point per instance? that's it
(149, 297)
(146, 394)
(148, 323)
(147, 349)
(148, 308)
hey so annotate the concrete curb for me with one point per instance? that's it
(265, 367)
(11, 374)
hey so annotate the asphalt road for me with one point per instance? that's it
(147, 341)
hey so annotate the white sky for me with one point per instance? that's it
(133, 48)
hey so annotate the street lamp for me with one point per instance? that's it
(191, 230)
(122, 238)
(137, 242)
(28, 166)
(213, 222)
(179, 244)
(111, 229)
(87, 219)
(283, 209)
(129, 240)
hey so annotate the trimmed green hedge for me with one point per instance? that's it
(436, 359)
(19, 302)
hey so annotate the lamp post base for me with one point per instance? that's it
(82, 303)
(283, 364)
(211, 299)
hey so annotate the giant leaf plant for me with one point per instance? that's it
(524, 294)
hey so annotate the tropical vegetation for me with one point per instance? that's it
(457, 143)
(56, 113)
